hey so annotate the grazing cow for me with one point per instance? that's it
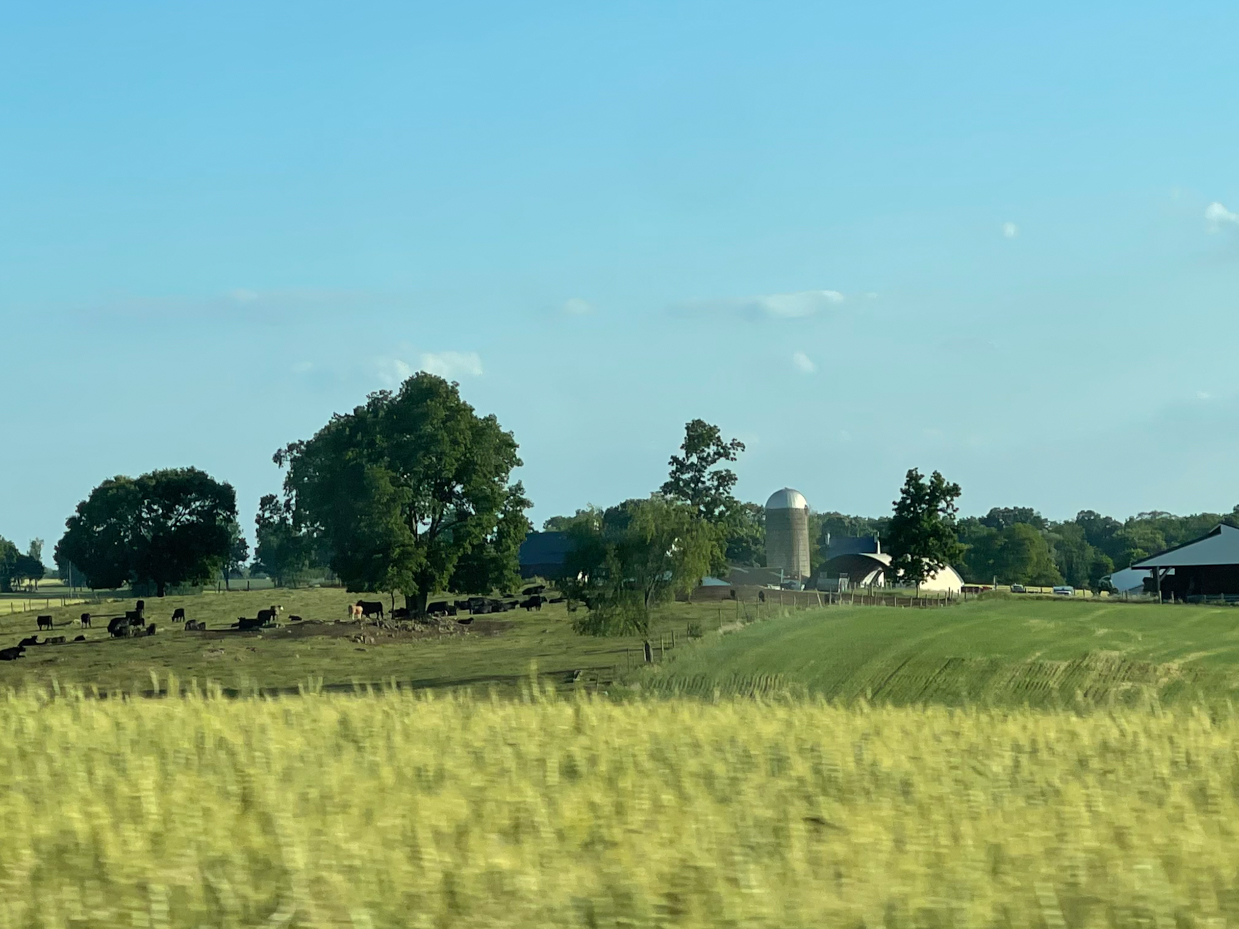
(84, 619)
(441, 608)
(119, 627)
(371, 608)
(266, 616)
(11, 654)
(533, 603)
(29, 640)
(178, 615)
(79, 638)
(478, 605)
(45, 622)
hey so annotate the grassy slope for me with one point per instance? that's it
(1043, 653)
(282, 660)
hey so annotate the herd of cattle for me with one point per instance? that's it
(534, 599)
(133, 624)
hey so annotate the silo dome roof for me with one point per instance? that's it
(787, 499)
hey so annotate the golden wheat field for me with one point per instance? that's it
(395, 809)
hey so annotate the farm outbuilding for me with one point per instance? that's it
(544, 554)
(1206, 567)
(853, 562)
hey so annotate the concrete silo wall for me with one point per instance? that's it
(787, 541)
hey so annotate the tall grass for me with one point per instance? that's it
(391, 809)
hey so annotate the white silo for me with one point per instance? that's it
(787, 533)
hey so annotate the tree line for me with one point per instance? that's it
(21, 569)
(412, 493)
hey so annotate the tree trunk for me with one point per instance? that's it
(416, 603)
(226, 573)
(160, 588)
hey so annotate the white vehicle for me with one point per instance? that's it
(1064, 591)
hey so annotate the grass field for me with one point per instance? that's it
(400, 811)
(992, 652)
(496, 651)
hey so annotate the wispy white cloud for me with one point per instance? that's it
(392, 372)
(1010, 230)
(1217, 215)
(303, 367)
(803, 363)
(798, 305)
(452, 364)
(575, 306)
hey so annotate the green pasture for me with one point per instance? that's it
(993, 652)
(497, 650)
(1003, 651)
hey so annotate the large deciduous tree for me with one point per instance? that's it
(921, 536)
(8, 562)
(163, 528)
(696, 478)
(282, 551)
(494, 561)
(634, 557)
(404, 486)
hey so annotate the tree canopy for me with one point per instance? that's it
(403, 487)
(921, 534)
(8, 561)
(696, 478)
(166, 527)
(633, 557)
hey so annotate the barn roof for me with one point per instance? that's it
(1217, 547)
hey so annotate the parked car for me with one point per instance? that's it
(1064, 591)
(1018, 589)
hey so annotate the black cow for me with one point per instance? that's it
(45, 622)
(400, 612)
(178, 615)
(533, 603)
(535, 589)
(371, 608)
(11, 654)
(54, 640)
(294, 619)
(29, 640)
(266, 616)
(150, 630)
(79, 638)
(245, 625)
(140, 606)
(119, 627)
(84, 619)
(134, 618)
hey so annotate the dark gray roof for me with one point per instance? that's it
(852, 545)
(545, 548)
(1219, 546)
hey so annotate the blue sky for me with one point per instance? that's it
(997, 240)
